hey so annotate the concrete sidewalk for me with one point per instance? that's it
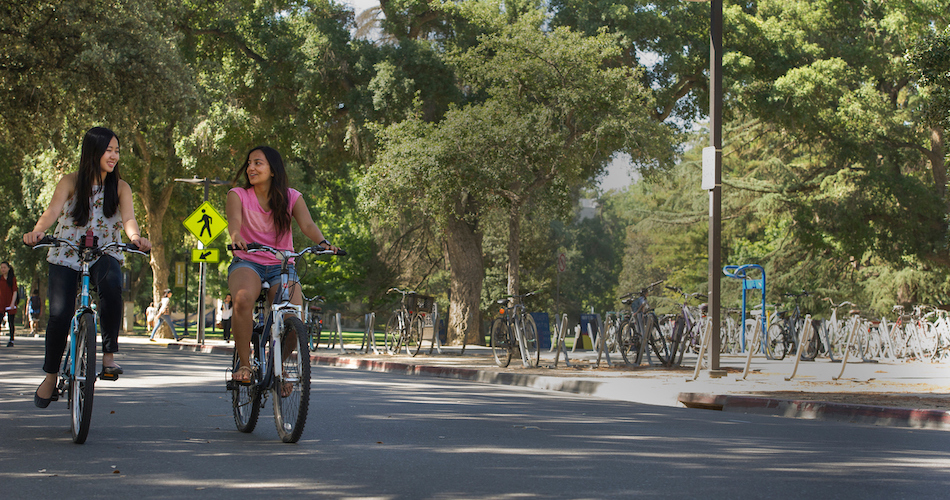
(905, 394)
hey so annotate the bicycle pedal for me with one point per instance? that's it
(108, 376)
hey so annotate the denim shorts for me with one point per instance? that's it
(270, 274)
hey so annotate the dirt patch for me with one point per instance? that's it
(914, 401)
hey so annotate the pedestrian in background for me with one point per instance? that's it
(164, 314)
(225, 310)
(8, 296)
(150, 316)
(35, 309)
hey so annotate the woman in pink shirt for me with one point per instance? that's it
(261, 212)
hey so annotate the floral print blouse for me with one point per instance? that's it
(108, 229)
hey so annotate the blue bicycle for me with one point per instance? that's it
(77, 378)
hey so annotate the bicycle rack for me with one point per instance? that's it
(806, 337)
(703, 345)
(337, 335)
(436, 341)
(740, 272)
(559, 341)
(369, 336)
(600, 340)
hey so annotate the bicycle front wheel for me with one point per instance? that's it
(246, 399)
(775, 344)
(657, 340)
(82, 383)
(392, 333)
(416, 329)
(531, 342)
(628, 342)
(291, 389)
(500, 342)
(315, 329)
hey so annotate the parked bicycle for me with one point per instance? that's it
(642, 319)
(784, 336)
(280, 356)
(515, 329)
(77, 378)
(406, 324)
(313, 318)
(687, 328)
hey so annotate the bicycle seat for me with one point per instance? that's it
(854, 312)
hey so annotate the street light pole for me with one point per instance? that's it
(715, 194)
(206, 182)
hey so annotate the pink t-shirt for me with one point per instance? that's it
(259, 227)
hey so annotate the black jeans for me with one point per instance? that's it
(106, 276)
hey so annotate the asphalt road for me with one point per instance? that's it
(165, 430)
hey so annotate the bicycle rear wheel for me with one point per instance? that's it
(416, 328)
(500, 342)
(83, 380)
(246, 399)
(531, 342)
(291, 390)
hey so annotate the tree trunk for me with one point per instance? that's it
(463, 250)
(938, 163)
(514, 249)
(155, 209)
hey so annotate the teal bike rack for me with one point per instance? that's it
(741, 272)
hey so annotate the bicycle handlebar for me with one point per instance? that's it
(316, 250)
(50, 241)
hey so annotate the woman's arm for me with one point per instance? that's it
(128, 218)
(64, 189)
(235, 214)
(302, 215)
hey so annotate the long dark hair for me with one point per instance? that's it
(278, 197)
(11, 276)
(94, 145)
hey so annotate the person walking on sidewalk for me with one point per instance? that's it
(8, 296)
(164, 315)
(225, 310)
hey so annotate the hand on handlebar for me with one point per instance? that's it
(33, 237)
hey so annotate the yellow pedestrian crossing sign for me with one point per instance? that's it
(208, 255)
(205, 223)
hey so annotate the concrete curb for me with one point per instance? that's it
(820, 410)
(617, 390)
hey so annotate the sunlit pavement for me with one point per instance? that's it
(904, 394)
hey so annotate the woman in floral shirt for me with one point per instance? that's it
(94, 197)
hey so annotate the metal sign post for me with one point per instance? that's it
(206, 224)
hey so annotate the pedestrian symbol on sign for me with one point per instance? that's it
(205, 223)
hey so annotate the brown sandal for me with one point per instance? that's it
(246, 379)
(286, 388)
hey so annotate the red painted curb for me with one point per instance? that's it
(821, 410)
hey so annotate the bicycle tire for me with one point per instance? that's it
(291, 389)
(500, 339)
(531, 341)
(628, 341)
(391, 336)
(810, 350)
(82, 384)
(675, 327)
(246, 399)
(315, 331)
(657, 340)
(775, 342)
(416, 329)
